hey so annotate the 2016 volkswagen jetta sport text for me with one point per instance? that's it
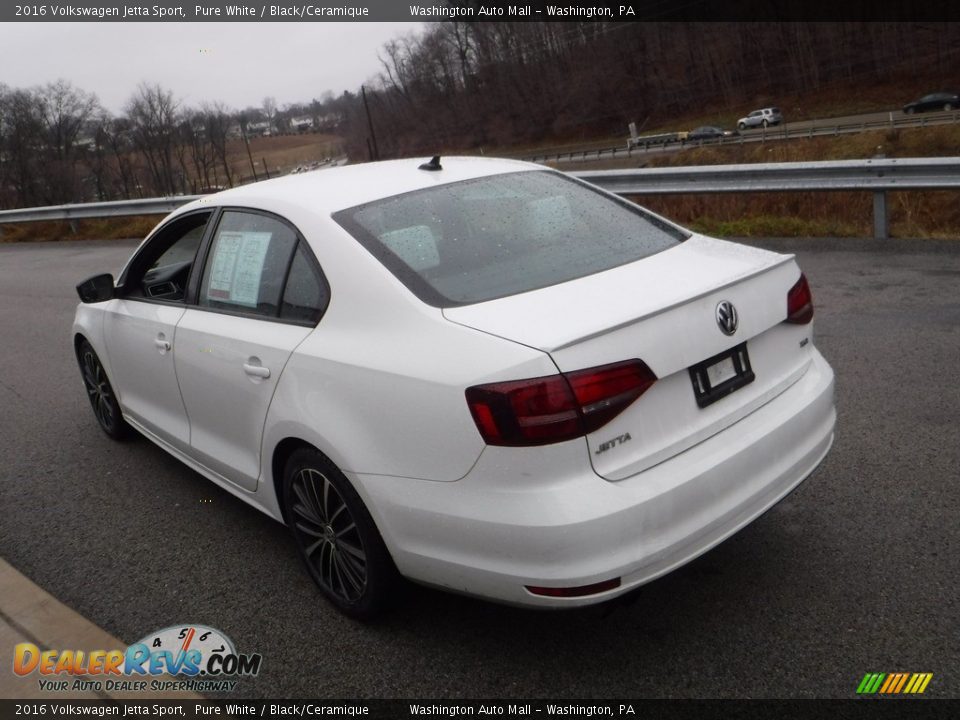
(481, 375)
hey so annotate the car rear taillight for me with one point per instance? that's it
(800, 302)
(550, 409)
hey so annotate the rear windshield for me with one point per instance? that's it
(482, 239)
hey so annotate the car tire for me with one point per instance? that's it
(908, 111)
(765, 123)
(100, 392)
(336, 537)
(741, 126)
(948, 107)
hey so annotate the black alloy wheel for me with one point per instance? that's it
(102, 398)
(336, 537)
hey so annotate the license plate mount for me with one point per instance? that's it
(718, 376)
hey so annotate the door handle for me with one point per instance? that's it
(162, 345)
(256, 370)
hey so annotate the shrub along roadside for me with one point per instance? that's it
(120, 228)
(918, 214)
(913, 214)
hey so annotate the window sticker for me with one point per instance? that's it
(238, 266)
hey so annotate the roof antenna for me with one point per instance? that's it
(433, 165)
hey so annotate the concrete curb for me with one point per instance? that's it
(28, 613)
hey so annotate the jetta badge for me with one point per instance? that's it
(727, 317)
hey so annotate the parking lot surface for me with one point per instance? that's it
(855, 572)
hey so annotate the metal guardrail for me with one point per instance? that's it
(878, 176)
(116, 208)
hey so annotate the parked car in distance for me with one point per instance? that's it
(760, 118)
(709, 132)
(934, 101)
(482, 375)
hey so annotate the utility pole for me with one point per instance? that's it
(375, 154)
(243, 129)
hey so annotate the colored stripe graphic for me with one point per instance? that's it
(894, 683)
(870, 683)
(891, 679)
(898, 680)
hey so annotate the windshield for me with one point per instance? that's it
(487, 238)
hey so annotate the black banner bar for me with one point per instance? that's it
(867, 709)
(477, 11)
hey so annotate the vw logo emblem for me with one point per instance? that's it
(727, 317)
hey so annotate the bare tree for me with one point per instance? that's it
(66, 111)
(152, 112)
(194, 133)
(23, 131)
(4, 155)
(98, 159)
(270, 112)
(218, 122)
(116, 135)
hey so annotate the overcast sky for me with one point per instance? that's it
(237, 63)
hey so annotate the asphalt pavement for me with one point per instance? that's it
(855, 572)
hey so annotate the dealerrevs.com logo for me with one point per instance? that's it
(185, 657)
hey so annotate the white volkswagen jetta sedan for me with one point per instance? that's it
(481, 375)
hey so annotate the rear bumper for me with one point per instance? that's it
(506, 526)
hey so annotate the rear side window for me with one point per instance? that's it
(487, 238)
(247, 264)
(306, 295)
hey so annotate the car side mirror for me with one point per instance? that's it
(96, 289)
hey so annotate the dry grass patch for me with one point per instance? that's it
(87, 229)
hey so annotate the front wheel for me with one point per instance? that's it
(336, 537)
(765, 123)
(948, 107)
(102, 398)
(742, 126)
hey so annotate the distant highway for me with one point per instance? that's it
(817, 127)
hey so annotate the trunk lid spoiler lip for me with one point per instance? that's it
(777, 260)
(666, 308)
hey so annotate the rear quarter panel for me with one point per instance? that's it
(378, 386)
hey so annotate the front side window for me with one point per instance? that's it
(477, 240)
(248, 264)
(161, 269)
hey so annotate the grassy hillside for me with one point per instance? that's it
(281, 153)
(919, 214)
